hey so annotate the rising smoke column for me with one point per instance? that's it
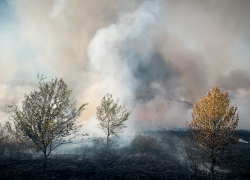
(117, 55)
(158, 57)
(116, 51)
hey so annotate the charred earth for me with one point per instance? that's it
(164, 161)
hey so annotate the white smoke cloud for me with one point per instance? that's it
(158, 57)
(241, 99)
(112, 55)
(111, 51)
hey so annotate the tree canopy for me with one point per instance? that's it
(47, 116)
(213, 123)
(111, 116)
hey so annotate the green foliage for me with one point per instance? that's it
(46, 117)
(111, 116)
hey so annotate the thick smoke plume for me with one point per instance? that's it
(156, 56)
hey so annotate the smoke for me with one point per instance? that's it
(115, 52)
(156, 56)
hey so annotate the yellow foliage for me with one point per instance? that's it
(213, 123)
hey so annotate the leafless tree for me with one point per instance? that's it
(9, 147)
(16, 150)
(193, 157)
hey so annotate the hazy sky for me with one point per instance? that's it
(157, 56)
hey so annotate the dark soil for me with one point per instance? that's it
(131, 168)
(237, 164)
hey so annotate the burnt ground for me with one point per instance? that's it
(124, 166)
(90, 169)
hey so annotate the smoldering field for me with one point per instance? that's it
(157, 56)
(157, 155)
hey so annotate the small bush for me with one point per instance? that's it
(145, 144)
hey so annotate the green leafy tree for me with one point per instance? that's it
(111, 116)
(213, 124)
(46, 118)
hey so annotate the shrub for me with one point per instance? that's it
(145, 144)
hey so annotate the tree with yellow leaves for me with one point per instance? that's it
(213, 124)
(46, 118)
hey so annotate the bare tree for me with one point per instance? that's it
(14, 149)
(9, 146)
(193, 157)
(47, 117)
(213, 125)
(111, 116)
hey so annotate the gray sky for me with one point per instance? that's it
(157, 56)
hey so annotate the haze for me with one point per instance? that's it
(157, 56)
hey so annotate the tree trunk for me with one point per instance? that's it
(108, 137)
(212, 166)
(44, 161)
(107, 142)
